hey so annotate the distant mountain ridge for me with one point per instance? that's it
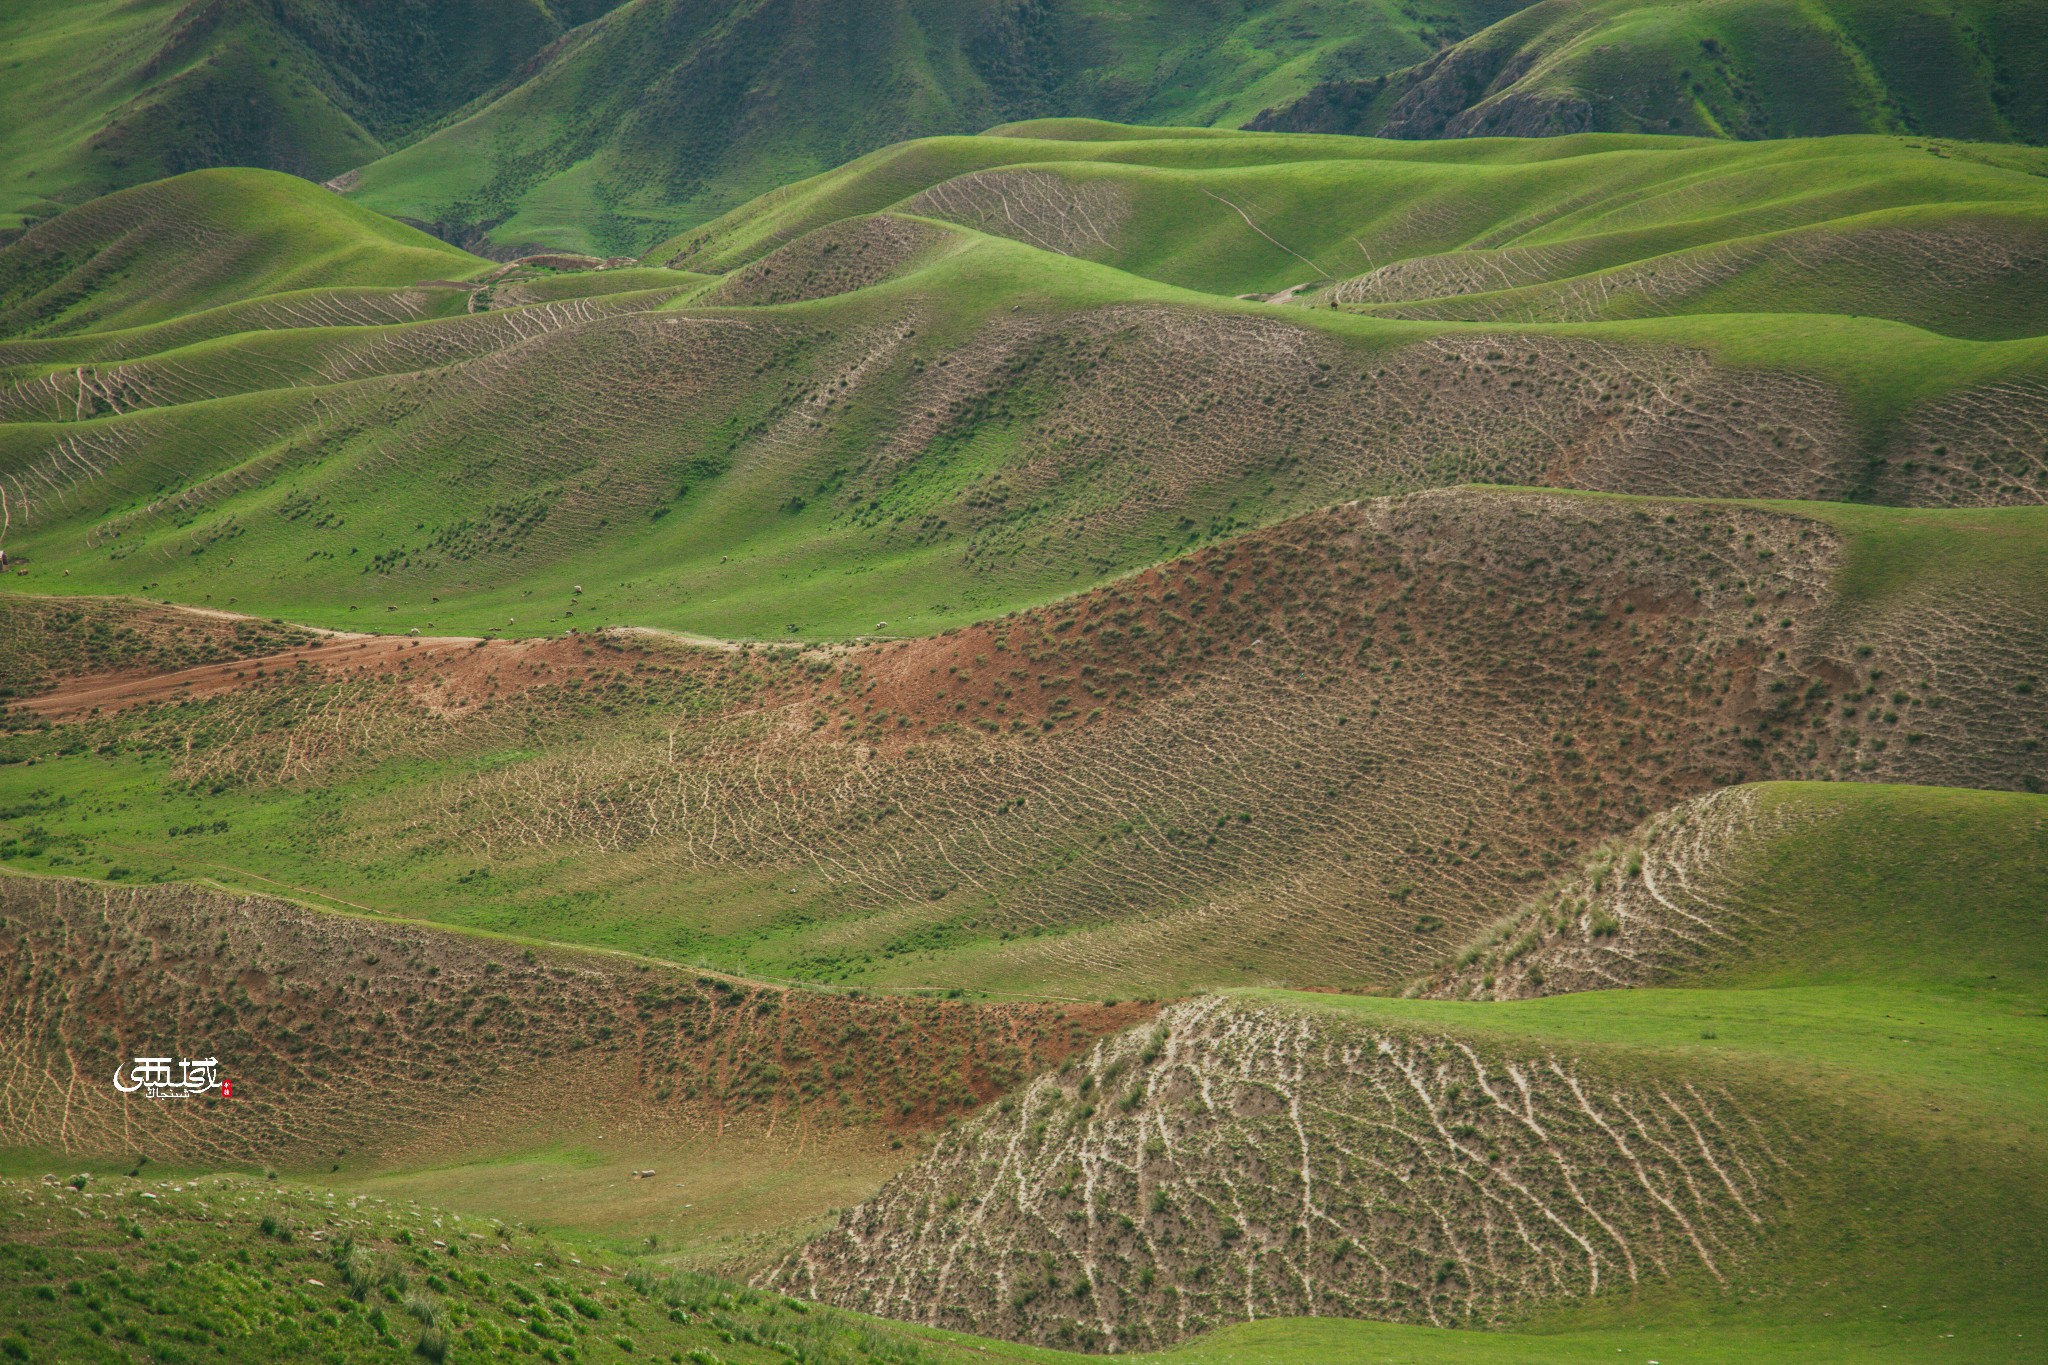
(1742, 69)
(670, 112)
(594, 126)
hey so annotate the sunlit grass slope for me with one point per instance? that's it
(740, 492)
(1570, 228)
(1878, 950)
(195, 242)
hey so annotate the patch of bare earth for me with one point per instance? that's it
(447, 673)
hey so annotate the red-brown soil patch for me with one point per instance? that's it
(468, 667)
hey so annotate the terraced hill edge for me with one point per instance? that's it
(1320, 754)
(1240, 1160)
(1737, 886)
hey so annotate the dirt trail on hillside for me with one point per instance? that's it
(465, 666)
(459, 657)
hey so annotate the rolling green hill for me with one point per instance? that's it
(904, 418)
(1567, 229)
(162, 252)
(670, 112)
(1733, 68)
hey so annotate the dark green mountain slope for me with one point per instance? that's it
(104, 94)
(1974, 69)
(675, 110)
(504, 128)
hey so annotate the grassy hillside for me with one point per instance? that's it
(1660, 1169)
(1740, 68)
(104, 95)
(1788, 884)
(1564, 230)
(364, 1278)
(152, 1264)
